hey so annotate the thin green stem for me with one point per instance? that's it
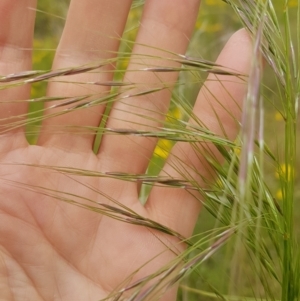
(290, 162)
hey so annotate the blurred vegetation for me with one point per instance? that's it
(50, 18)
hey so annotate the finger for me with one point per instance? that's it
(16, 34)
(166, 26)
(91, 36)
(218, 107)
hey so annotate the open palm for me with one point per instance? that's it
(49, 249)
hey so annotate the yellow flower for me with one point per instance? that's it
(293, 3)
(174, 115)
(163, 148)
(282, 172)
(279, 195)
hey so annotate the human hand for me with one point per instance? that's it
(49, 249)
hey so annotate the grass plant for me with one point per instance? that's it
(245, 245)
